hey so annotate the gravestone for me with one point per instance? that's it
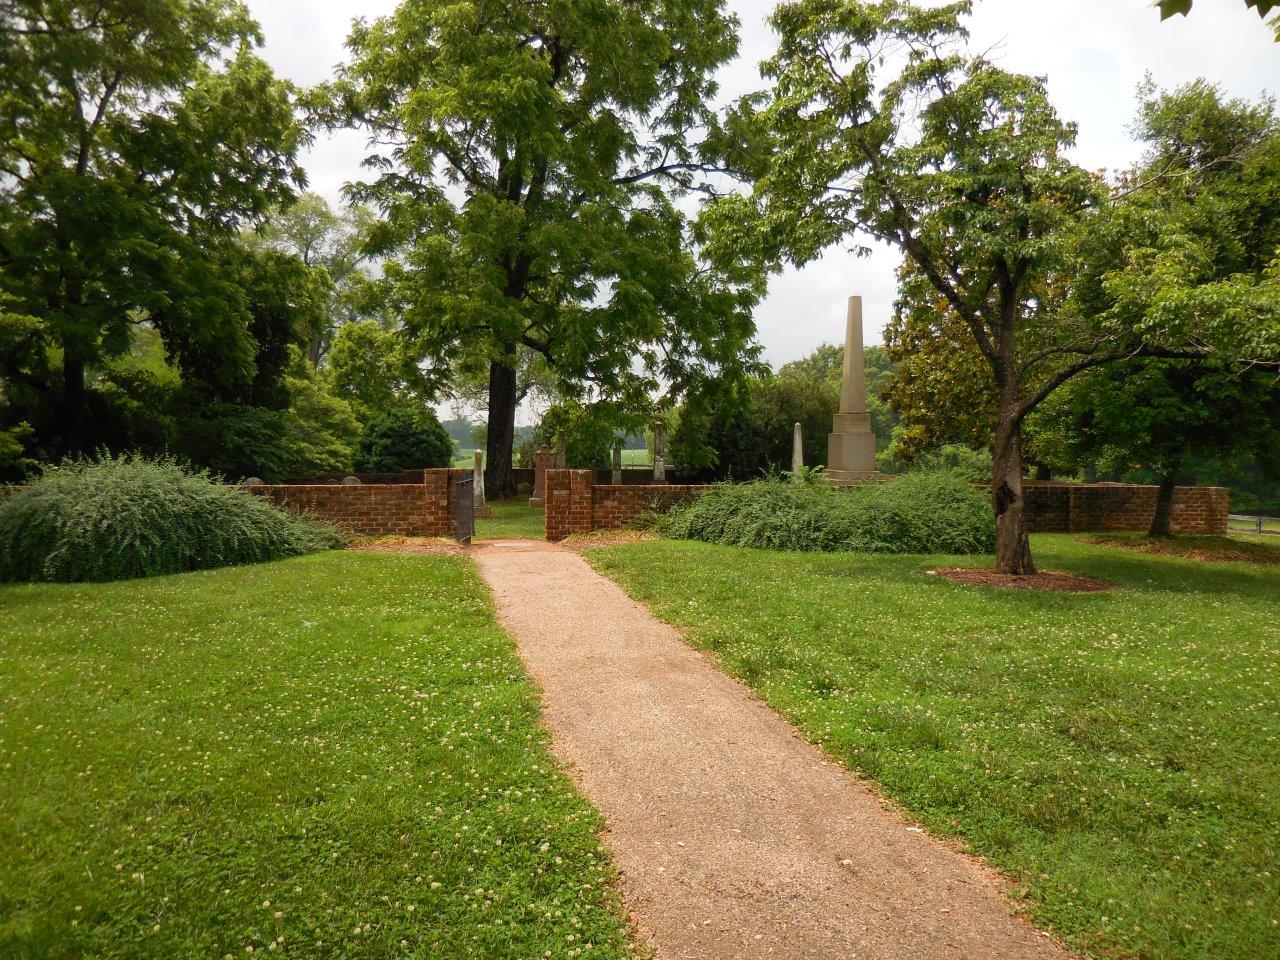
(617, 463)
(851, 446)
(659, 453)
(797, 452)
(477, 486)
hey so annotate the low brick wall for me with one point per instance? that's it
(423, 509)
(1121, 507)
(575, 503)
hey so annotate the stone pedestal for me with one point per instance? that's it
(477, 486)
(851, 446)
(616, 475)
(541, 464)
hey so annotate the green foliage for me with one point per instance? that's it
(1169, 8)
(373, 369)
(588, 434)
(1117, 754)
(263, 751)
(312, 232)
(529, 158)
(320, 430)
(14, 462)
(403, 439)
(141, 137)
(754, 437)
(118, 518)
(917, 513)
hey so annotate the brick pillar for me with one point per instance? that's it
(569, 502)
(437, 518)
(541, 464)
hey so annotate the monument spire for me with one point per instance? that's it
(851, 446)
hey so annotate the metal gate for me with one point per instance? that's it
(464, 508)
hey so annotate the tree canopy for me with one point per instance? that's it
(527, 159)
(880, 125)
(142, 135)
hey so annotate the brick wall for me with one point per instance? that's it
(374, 510)
(575, 503)
(1118, 507)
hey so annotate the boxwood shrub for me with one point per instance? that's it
(916, 513)
(122, 517)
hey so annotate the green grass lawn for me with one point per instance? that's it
(512, 519)
(1117, 753)
(332, 756)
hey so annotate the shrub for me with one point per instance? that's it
(917, 513)
(118, 518)
(404, 440)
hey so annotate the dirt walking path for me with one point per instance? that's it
(734, 837)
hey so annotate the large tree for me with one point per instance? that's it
(1174, 419)
(140, 137)
(330, 240)
(880, 125)
(527, 160)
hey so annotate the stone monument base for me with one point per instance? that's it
(851, 449)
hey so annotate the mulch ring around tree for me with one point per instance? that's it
(1061, 582)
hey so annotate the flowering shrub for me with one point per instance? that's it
(123, 517)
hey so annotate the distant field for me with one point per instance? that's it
(1269, 525)
(465, 457)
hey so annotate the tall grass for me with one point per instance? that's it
(916, 513)
(122, 517)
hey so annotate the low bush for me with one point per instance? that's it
(404, 440)
(917, 513)
(117, 518)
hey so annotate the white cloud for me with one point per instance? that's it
(1094, 53)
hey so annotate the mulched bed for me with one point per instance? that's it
(1062, 582)
(421, 545)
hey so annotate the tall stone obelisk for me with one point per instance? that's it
(851, 446)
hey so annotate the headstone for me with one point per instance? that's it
(477, 485)
(541, 464)
(797, 452)
(851, 446)
(560, 457)
(617, 463)
(351, 481)
(253, 482)
(659, 453)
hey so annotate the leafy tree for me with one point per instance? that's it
(141, 136)
(403, 439)
(1263, 7)
(522, 149)
(1172, 417)
(320, 430)
(826, 365)
(371, 368)
(753, 436)
(880, 125)
(320, 237)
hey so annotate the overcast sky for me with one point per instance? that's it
(1094, 53)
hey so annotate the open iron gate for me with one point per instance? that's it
(464, 508)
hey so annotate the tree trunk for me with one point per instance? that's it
(73, 403)
(498, 481)
(1013, 547)
(1162, 522)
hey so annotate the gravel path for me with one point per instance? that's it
(734, 837)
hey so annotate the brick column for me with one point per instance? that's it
(568, 502)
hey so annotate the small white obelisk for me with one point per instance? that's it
(797, 452)
(851, 446)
